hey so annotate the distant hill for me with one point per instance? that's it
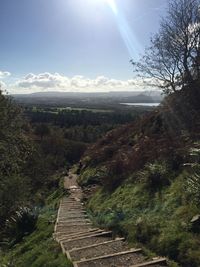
(74, 98)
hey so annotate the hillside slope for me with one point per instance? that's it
(137, 182)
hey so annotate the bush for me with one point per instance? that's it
(21, 224)
(155, 176)
(193, 181)
(92, 176)
(111, 219)
(145, 230)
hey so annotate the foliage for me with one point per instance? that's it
(161, 224)
(42, 130)
(15, 148)
(193, 180)
(172, 61)
(155, 176)
(38, 249)
(22, 223)
(92, 176)
(84, 118)
(14, 190)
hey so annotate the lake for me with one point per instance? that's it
(141, 104)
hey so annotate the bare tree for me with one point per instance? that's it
(173, 59)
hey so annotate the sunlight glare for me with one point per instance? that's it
(113, 6)
(126, 32)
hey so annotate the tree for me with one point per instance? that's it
(173, 59)
(15, 148)
(42, 130)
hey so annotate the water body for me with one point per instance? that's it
(141, 104)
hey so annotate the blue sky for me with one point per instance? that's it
(74, 44)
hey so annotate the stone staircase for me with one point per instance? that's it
(88, 246)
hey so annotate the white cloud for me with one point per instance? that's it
(57, 82)
(2, 85)
(4, 74)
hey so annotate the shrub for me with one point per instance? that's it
(92, 176)
(21, 224)
(193, 181)
(111, 219)
(145, 230)
(155, 176)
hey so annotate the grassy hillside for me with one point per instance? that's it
(138, 183)
(38, 249)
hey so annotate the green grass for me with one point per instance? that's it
(56, 110)
(159, 221)
(38, 249)
(95, 110)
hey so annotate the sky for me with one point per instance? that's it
(74, 45)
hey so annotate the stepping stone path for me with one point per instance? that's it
(88, 246)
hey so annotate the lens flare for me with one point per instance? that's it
(113, 6)
(130, 39)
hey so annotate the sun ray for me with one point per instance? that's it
(129, 38)
(113, 6)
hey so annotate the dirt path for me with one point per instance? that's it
(87, 245)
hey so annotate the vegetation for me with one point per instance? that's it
(143, 180)
(30, 170)
(78, 125)
(160, 221)
(38, 248)
(172, 61)
(153, 206)
(193, 182)
(37, 147)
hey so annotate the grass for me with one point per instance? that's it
(57, 110)
(38, 249)
(95, 110)
(160, 221)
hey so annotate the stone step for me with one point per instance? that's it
(76, 205)
(74, 228)
(65, 237)
(72, 235)
(121, 259)
(73, 216)
(72, 225)
(71, 231)
(71, 207)
(79, 234)
(73, 201)
(73, 221)
(70, 201)
(66, 210)
(86, 241)
(69, 224)
(98, 250)
(71, 211)
(88, 246)
(155, 263)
